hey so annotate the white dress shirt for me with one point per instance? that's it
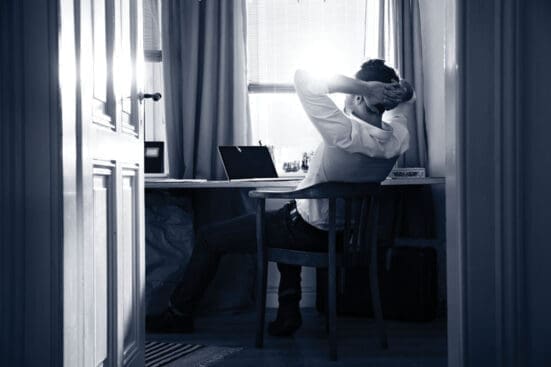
(352, 149)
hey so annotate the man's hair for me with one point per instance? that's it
(376, 70)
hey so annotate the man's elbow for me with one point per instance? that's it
(405, 144)
(309, 85)
(301, 78)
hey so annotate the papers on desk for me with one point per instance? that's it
(409, 172)
(182, 180)
(261, 179)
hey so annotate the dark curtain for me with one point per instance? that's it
(400, 45)
(204, 57)
(409, 60)
(408, 211)
(206, 102)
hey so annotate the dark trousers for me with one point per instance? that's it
(284, 229)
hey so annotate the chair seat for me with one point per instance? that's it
(303, 258)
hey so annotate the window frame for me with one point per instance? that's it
(271, 88)
(153, 56)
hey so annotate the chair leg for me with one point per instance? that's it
(261, 275)
(377, 308)
(261, 279)
(332, 312)
(332, 283)
(374, 277)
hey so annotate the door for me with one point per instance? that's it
(110, 180)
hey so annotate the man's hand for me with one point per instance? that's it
(389, 95)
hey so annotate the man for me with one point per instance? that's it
(351, 138)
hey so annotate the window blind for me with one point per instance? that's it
(325, 36)
(151, 26)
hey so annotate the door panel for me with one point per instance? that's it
(110, 157)
(102, 46)
(101, 278)
(129, 302)
(124, 21)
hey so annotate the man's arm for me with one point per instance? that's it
(398, 118)
(387, 94)
(334, 126)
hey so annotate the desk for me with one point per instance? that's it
(167, 183)
(159, 184)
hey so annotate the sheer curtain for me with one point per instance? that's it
(324, 37)
(204, 55)
(329, 37)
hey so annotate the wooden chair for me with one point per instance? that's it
(359, 247)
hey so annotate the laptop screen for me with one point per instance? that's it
(242, 162)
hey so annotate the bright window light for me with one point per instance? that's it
(323, 37)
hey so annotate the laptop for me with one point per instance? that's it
(249, 163)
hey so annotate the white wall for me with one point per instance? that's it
(433, 32)
(433, 26)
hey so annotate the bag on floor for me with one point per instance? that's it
(408, 286)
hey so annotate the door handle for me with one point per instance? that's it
(154, 96)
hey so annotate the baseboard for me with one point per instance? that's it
(308, 297)
(308, 283)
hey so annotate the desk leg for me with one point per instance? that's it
(261, 273)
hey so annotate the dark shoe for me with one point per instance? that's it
(169, 322)
(285, 324)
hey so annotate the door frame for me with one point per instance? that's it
(40, 183)
(32, 205)
(485, 265)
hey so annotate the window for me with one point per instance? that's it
(284, 35)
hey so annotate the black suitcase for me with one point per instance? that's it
(408, 286)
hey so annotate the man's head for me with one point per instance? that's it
(372, 70)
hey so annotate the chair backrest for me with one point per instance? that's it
(361, 212)
(361, 206)
(360, 229)
(339, 165)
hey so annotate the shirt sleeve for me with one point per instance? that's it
(335, 127)
(400, 112)
(398, 119)
(330, 121)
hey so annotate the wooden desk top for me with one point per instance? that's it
(168, 183)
